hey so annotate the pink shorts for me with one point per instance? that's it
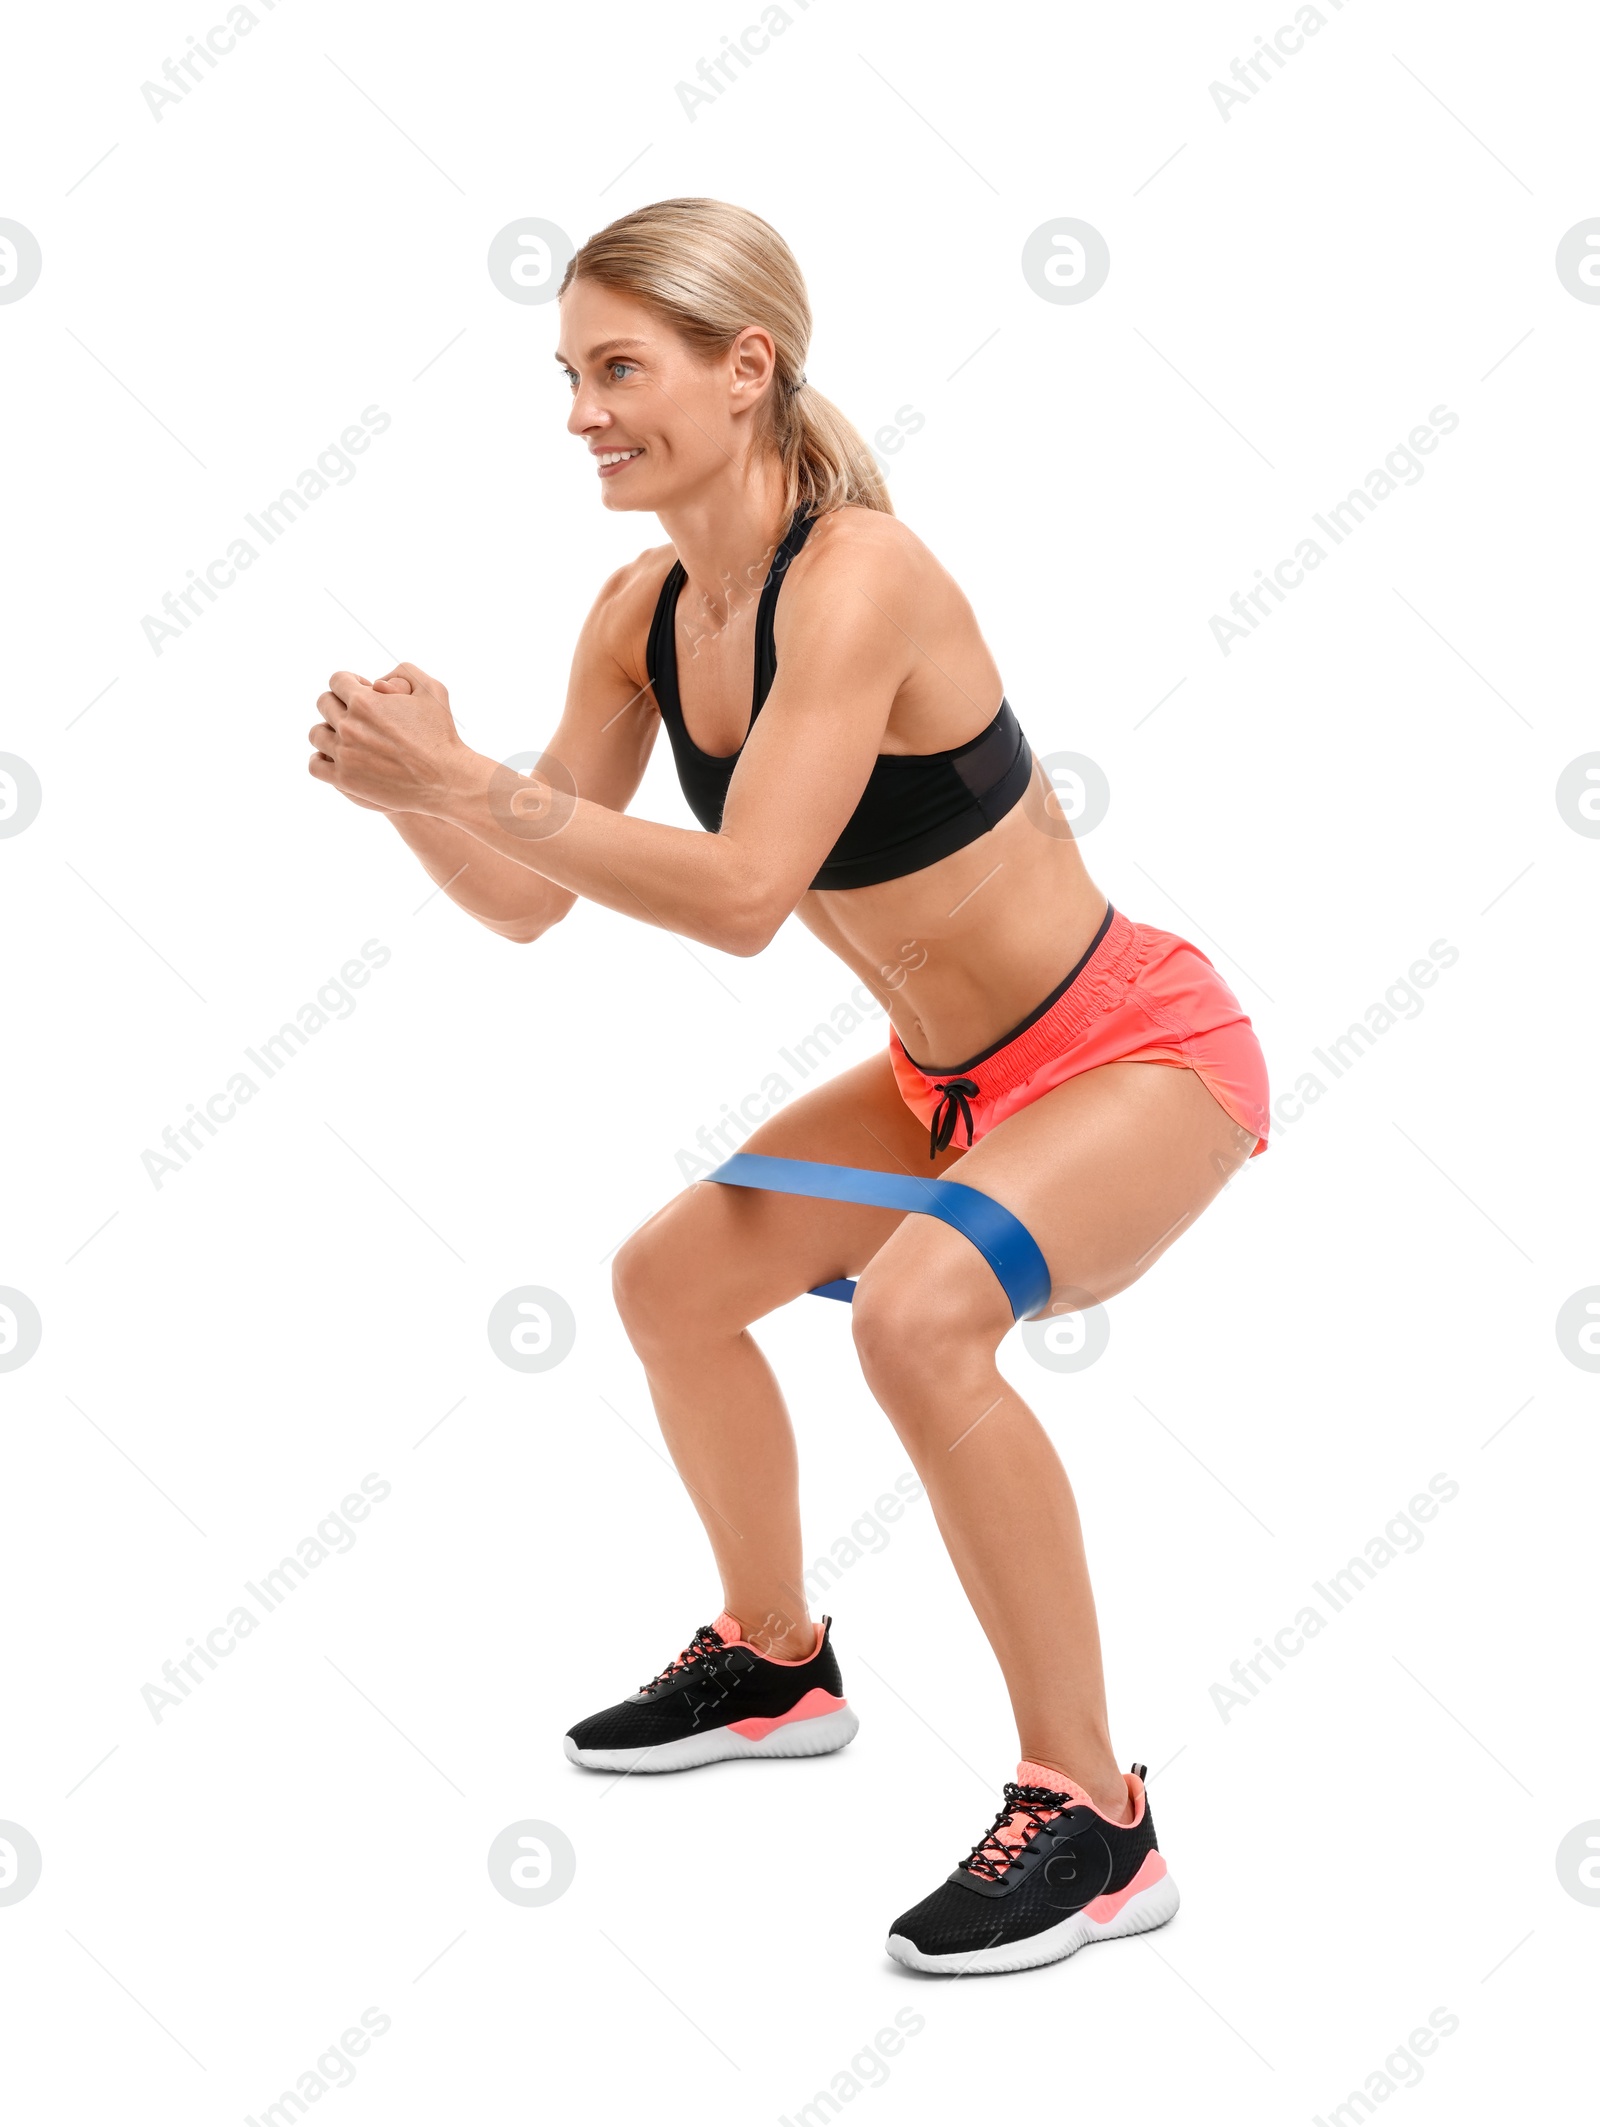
(1138, 996)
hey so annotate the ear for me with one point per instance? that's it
(753, 362)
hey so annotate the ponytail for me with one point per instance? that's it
(826, 462)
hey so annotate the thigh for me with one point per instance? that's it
(1108, 1169)
(747, 1251)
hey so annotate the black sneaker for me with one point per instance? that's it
(1050, 1876)
(721, 1698)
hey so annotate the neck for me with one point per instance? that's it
(725, 537)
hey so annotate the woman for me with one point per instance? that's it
(849, 744)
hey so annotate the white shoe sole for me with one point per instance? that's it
(1152, 1907)
(795, 1739)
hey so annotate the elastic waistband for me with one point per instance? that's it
(1103, 974)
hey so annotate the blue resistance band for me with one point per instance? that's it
(1005, 1244)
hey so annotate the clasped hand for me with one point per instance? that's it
(391, 744)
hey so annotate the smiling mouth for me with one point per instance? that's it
(608, 461)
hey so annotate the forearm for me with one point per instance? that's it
(698, 885)
(505, 897)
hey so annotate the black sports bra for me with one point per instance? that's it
(916, 808)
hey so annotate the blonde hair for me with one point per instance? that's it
(709, 271)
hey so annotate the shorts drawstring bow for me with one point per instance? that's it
(955, 1097)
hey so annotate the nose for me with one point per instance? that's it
(587, 418)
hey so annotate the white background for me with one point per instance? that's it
(1372, 1302)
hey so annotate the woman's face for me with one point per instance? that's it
(662, 423)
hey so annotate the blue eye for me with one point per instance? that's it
(615, 366)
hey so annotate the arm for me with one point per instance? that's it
(841, 662)
(504, 897)
(607, 729)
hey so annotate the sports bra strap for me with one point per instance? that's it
(661, 651)
(766, 670)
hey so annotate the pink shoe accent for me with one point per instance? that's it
(1110, 1903)
(815, 1703)
(1032, 1774)
(731, 1633)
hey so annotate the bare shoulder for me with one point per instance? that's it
(864, 567)
(869, 549)
(619, 620)
(854, 537)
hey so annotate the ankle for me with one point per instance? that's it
(1114, 1804)
(1105, 1787)
(780, 1637)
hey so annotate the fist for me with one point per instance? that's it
(389, 745)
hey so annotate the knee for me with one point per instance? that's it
(659, 1286)
(922, 1327)
(649, 1297)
